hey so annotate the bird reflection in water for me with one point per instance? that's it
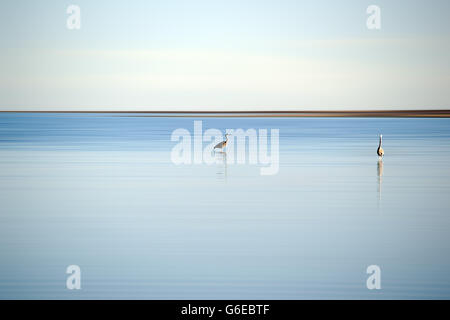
(221, 161)
(380, 179)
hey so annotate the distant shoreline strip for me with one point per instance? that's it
(270, 114)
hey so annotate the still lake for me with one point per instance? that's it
(100, 191)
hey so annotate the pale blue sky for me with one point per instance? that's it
(180, 55)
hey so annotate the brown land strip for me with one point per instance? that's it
(285, 114)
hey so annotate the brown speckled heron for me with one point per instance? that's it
(380, 150)
(222, 144)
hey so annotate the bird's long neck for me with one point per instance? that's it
(380, 142)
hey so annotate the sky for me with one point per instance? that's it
(224, 55)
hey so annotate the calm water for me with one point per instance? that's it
(100, 191)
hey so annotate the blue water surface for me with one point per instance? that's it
(101, 191)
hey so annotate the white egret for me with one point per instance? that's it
(223, 144)
(380, 150)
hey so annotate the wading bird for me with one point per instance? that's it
(222, 144)
(380, 150)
